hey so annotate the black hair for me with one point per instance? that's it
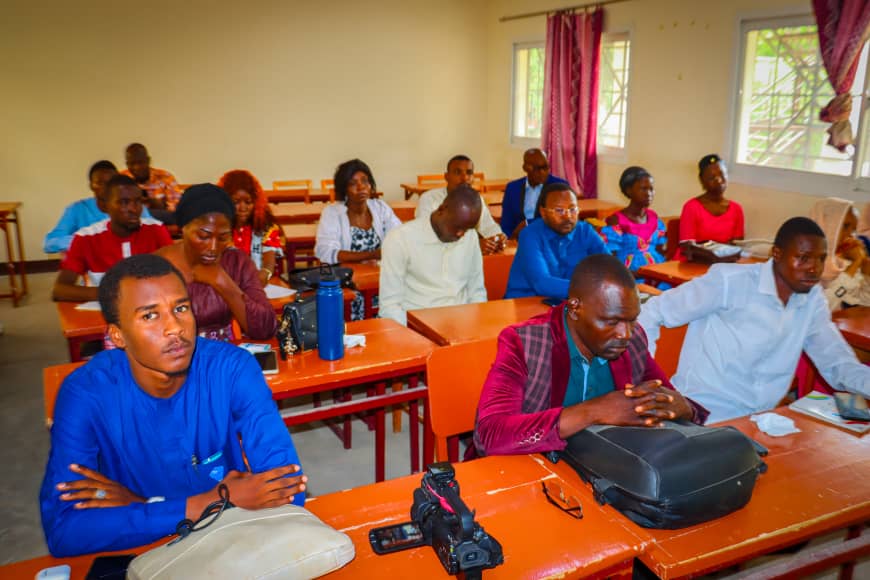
(594, 270)
(630, 176)
(345, 172)
(546, 190)
(458, 158)
(202, 199)
(140, 266)
(464, 196)
(119, 180)
(101, 165)
(794, 227)
(708, 160)
(136, 147)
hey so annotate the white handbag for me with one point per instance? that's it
(284, 542)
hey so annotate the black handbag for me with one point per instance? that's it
(671, 477)
(304, 279)
(297, 330)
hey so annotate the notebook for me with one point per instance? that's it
(822, 406)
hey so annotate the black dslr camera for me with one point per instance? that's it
(442, 520)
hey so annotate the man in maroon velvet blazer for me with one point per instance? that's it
(582, 363)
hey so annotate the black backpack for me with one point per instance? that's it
(678, 475)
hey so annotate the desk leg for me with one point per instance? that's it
(21, 266)
(847, 569)
(428, 443)
(75, 349)
(414, 434)
(380, 436)
(10, 262)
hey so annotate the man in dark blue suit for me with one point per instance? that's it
(520, 202)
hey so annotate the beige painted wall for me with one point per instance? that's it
(684, 57)
(286, 89)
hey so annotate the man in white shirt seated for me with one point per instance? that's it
(460, 169)
(748, 324)
(431, 261)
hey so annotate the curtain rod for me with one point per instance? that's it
(545, 12)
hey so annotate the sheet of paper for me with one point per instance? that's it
(92, 305)
(273, 291)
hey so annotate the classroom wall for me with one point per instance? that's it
(286, 89)
(684, 61)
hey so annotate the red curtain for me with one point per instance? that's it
(844, 26)
(570, 128)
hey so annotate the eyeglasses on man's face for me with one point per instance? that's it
(564, 211)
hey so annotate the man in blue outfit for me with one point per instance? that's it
(143, 435)
(520, 202)
(551, 247)
(84, 212)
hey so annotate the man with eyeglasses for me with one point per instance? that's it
(551, 247)
(582, 363)
(520, 202)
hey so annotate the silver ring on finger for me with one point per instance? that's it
(100, 494)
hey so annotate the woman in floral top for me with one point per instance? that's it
(635, 234)
(254, 231)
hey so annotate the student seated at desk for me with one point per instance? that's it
(430, 262)
(710, 216)
(353, 229)
(847, 266)
(748, 324)
(143, 434)
(520, 203)
(585, 362)
(84, 212)
(162, 191)
(254, 231)
(460, 169)
(222, 281)
(551, 247)
(635, 234)
(101, 245)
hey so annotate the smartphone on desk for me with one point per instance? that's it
(268, 361)
(852, 407)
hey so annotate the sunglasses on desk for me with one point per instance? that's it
(567, 503)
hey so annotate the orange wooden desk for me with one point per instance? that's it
(14, 260)
(391, 351)
(469, 322)
(404, 209)
(297, 196)
(80, 326)
(674, 272)
(854, 323)
(298, 237)
(367, 278)
(818, 481)
(538, 539)
(296, 213)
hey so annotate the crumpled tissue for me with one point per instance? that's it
(774, 425)
(354, 340)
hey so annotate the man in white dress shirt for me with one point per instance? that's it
(748, 324)
(460, 170)
(431, 261)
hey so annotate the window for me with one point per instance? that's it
(528, 106)
(528, 92)
(783, 86)
(613, 91)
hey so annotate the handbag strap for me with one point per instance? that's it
(209, 515)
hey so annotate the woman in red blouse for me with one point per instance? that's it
(254, 230)
(710, 216)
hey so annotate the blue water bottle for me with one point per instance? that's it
(330, 317)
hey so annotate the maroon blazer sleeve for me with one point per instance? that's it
(262, 321)
(502, 428)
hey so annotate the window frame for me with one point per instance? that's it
(806, 182)
(516, 140)
(619, 154)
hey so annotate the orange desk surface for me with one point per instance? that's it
(675, 272)
(296, 213)
(297, 195)
(538, 539)
(470, 322)
(391, 350)
(817, 481)
(854, 323)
